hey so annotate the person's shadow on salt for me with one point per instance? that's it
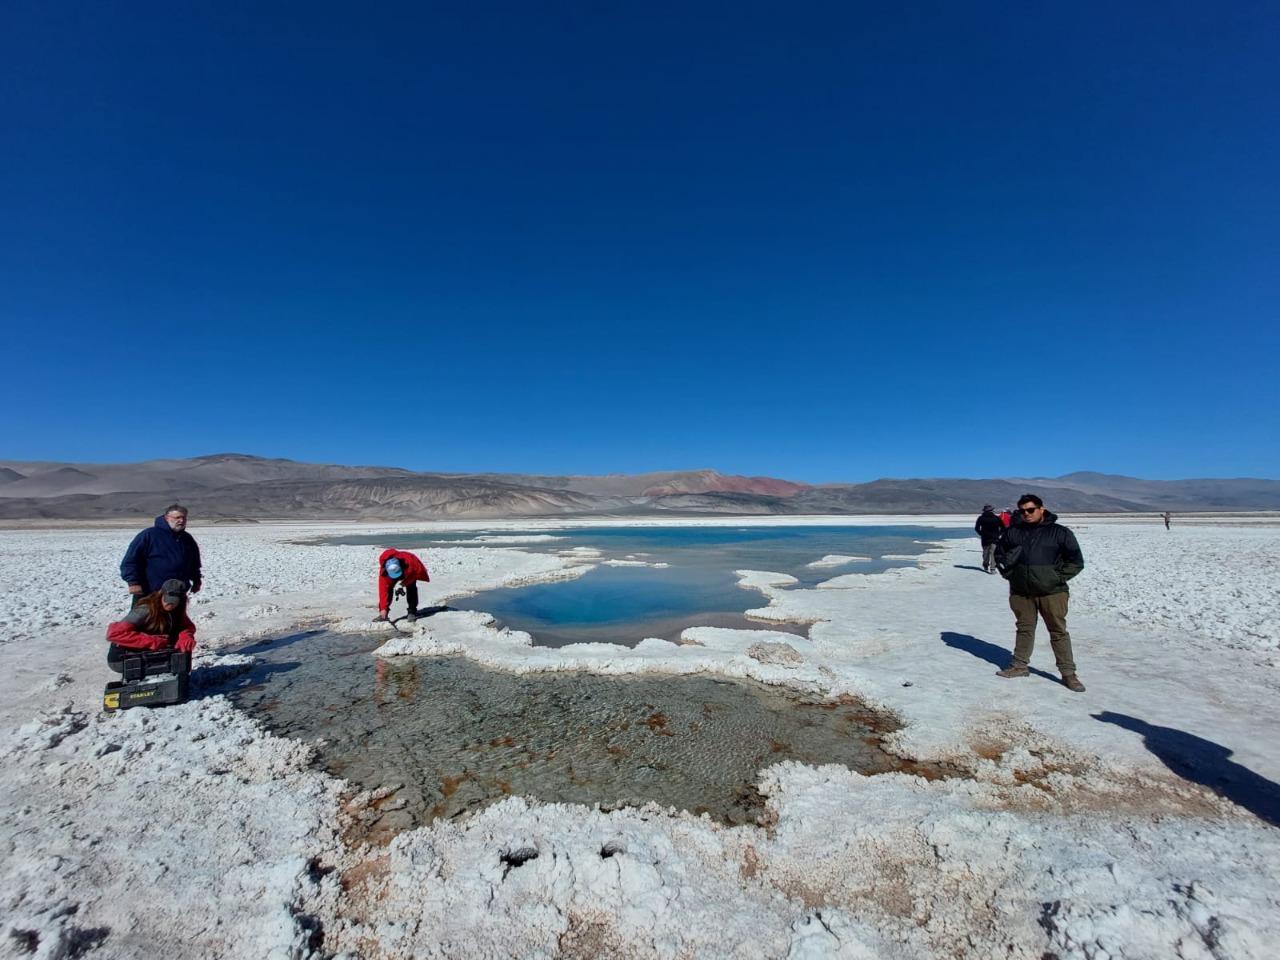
(965, 566)
(996, 656)
(419, 614)
(279, 643)
(432, 611)
(208, 680)
(1205, 762)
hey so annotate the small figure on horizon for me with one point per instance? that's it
(988, 527)
(1167, 517)
(1006, 517)
(1037, 555)
(399, 571)
(164, 551)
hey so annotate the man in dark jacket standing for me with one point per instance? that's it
(163, 551)
(989, 529)
(1038, 556)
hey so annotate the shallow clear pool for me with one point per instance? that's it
(454, 736)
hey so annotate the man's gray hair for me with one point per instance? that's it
(175, 508)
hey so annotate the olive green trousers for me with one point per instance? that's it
(1053, 609)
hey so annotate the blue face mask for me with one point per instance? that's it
(393, 568)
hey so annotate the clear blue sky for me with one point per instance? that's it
(825, 242)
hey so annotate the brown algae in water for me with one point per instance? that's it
(456, 736)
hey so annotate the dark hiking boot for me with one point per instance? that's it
(1072, 683)
(1013, 670)
(412, 617)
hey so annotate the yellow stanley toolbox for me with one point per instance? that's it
(151, 679)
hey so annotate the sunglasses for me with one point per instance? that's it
(1028, 509)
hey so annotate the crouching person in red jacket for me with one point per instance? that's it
(399, 568)
(158, 623)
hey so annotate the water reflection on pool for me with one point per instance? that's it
(688, 578)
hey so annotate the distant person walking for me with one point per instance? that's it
(399, 569)
(989, 528)
(163, 551)
(1167, 517)
(1006, 517)
(1038, 556)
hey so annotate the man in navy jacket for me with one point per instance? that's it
(162, 552)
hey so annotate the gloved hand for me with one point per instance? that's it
(186, 642)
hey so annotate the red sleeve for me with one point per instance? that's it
(123, 634)
(384, 582)
(187, 637)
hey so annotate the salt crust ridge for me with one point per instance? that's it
(1070, 839)
(836, 560)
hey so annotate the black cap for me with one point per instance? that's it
(172, 591)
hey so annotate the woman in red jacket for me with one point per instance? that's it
(399, 568)
(158, 622)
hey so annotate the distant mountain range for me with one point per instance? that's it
(237, 486)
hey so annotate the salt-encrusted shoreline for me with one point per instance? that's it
(1071, 837)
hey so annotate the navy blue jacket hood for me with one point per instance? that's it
(160, 553)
